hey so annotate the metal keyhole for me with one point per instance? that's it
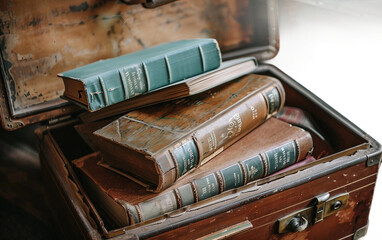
(336, 205)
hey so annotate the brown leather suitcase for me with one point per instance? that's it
(327, 199)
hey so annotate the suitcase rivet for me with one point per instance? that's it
(336, 205)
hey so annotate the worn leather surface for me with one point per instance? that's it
(213, 119)
(269, 135)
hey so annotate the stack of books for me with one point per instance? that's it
(173, 125)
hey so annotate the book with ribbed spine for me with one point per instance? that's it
(159, 144)
(227, 71)
(110, 81)
(271, 147)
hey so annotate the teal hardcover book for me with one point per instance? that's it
(110, 81)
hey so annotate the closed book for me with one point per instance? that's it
(269, 148)
(160, 144)
(106, 82)
(227, 71)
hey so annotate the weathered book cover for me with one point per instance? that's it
(227, 71)
(110, 81)
(160, 144)
(269, 148)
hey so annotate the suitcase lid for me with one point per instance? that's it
(40, 39)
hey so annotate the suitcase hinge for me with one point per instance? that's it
(321, 207)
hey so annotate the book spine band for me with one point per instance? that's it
(104, 90)
(273, 100)
(120, 84)
(115, 86)
(124, 84)
(280, 157)
(232, 177)
(225, 179)
(186, 157)
(206, 187)
(229, 127)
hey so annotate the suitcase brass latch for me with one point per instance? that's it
(322, 206)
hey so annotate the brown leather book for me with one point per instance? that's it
(269, 148)
(159, 144)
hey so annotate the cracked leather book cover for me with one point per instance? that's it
(159, 144)
(271, 147)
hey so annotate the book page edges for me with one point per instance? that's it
(224, 75)
(73, 89)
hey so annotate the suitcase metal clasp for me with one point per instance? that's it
(321, 207)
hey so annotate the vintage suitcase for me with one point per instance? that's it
(327, 199)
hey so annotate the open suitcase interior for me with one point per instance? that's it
(77, 33)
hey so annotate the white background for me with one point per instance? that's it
(334, 49)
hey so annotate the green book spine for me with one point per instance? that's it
(185, 193)
(113, 80)
(157, 206)
(132, 212)
(232, 177)
(273, 100)
(206, 187)
(186, 156)
(280, 157)
(231, 124)
(225, 179)
(253, 168)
